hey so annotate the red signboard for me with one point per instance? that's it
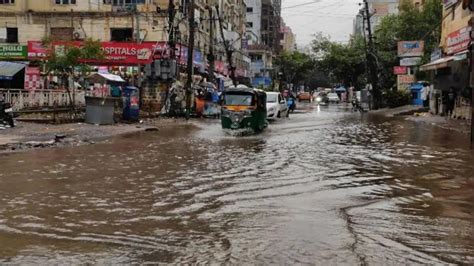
(116, 53)
(399, 70)
(459, 40)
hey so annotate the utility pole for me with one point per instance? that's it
(227, 48)
(471, 85)
(171, 36)
(139, 66)
(371, 60)
(211, 58)
(189, 82)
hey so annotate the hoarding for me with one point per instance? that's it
(411, 48)
(13, 51)
(458, 41)
(410, 61)
(121, 53)
(400, 70)
(404, 81)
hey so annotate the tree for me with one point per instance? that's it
(67, 59)
(343, 63)
(294, 66)
(410, 24)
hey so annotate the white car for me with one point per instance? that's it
(333, 98)
(276, 106)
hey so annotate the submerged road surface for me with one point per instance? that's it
(325, 186)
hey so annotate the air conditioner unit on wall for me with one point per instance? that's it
(79, 35)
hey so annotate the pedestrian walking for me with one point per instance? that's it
(451, 101)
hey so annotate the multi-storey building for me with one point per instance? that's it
(288, 41)
(379, 9)
(128, 21)
(263, 32)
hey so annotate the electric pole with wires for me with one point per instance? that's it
(189, 81)
(228, 50)
(371, 61)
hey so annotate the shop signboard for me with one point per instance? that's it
(436, 54)
(13, 51)
(410, 61)
(116, 53)
(458, 41)
(400, 70)
(411, 48)
(404, 81)
(449, 3)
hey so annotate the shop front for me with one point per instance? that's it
(450, 75)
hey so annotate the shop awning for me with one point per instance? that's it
(437, 64)
(102, 77)
(9, 69)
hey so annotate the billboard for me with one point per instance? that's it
(410, 61)
(13, 51)
(459, 40)
(400, 70)
(411, 48)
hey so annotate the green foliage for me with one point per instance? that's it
(294, 66)
(409, 25)
(397, 98)
(67, 58)
(343, 63)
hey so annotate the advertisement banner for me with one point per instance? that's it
(410, 61)
(13, 51)
(32, 78)
(458, 41)
(404, 81)
(116, 53)
(436, 54)
(400, 70)
(411, 48)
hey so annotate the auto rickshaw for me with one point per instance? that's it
(244, 108)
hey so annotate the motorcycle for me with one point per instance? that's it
(6, 114)
(291, 105)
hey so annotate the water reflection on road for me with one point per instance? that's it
(325, 186)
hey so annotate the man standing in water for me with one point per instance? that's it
(451, 101)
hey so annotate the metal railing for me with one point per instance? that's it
(22, 100)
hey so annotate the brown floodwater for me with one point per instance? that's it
(324, 187)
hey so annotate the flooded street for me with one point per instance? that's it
(324, 187)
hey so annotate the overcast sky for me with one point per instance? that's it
(332, 17)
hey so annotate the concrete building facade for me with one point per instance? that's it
(122, 21)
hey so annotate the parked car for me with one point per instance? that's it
(305, 96)
(333, 98)
(276, 106)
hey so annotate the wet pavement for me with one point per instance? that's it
(325, 187)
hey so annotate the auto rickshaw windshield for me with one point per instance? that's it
(238, 99)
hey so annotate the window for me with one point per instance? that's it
(61, 34)
(121, 34)
(123, 2)
(65, 2)
(12, 35)
(7, 2)
(249, 9)
(249, 24)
